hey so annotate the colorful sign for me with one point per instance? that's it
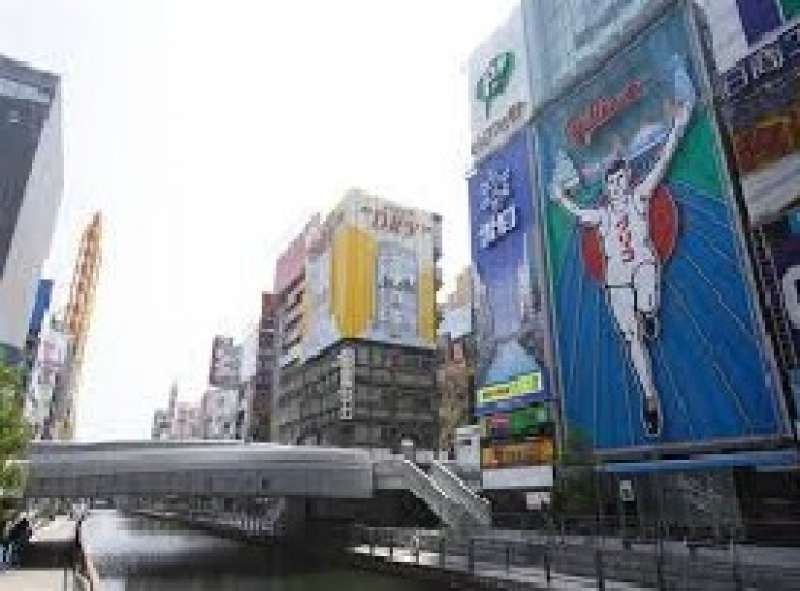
(761, 106)
(533, 452)
(498, 82)
(370, 274)
(656, 334)
(509, 317)
(783, 241)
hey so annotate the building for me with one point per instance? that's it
(161, 426)
(48, 378)
(455, 376)
(257, 372)
(225, 361)
(31, 183)
(180, 421)
(357, 325)
(78, 318)
(221, 413)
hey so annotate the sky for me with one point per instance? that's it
(207, 132)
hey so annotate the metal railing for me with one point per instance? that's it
(543, 557)
(479, 508)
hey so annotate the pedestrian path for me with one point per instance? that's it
(46, 565)
(533, 576)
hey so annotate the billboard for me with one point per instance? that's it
(783, 240)
(499, 87)
(571, 37)
(291, 262)
(507, 295)
(657, 340)
(370, 275)
(761, 107)
(25, 98)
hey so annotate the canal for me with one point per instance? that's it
(136, 553)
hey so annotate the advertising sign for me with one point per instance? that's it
(291, 262)
(783, 239)
(24, 106)
(370, 274)
(571, 37)
(761, 106)
(657, 342)
(499, 88)
(508, 308)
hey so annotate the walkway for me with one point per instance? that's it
(46, 563)
(534, 577)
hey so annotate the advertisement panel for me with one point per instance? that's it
(761, 107)
(657, 339)
(370, 274)
(291, 262)
(569, 38)
(507, 296)
(783, 240)
(25, 98)
(499, 88)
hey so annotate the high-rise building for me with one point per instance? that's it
(31, 183)
(258, 366)
(78, 317)
(224, 365)
(357, 323)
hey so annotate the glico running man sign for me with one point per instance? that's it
(657, 341)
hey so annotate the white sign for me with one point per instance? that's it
(523, 477)
(499, 87)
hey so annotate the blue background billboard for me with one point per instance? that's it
(508, 303)
(656, 338)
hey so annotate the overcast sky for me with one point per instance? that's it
(208, 131)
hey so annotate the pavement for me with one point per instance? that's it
(535, 577)
(46, 564)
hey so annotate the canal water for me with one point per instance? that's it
(136, 554)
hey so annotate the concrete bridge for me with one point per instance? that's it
(236, 469)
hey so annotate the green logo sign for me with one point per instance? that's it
(495, 79)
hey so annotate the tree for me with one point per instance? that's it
(575, 493)
(14, 436)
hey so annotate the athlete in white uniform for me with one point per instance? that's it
(632, 279)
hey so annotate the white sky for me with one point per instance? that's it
(208, 131)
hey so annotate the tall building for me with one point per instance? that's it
(258, 367)
(357, 324)
(224, 365)
(220, 413)
(31, 183)
(78, 317)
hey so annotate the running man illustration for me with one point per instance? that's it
(632, 281)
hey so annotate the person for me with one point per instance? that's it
(632, 270)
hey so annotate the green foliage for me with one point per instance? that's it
(575, 491)
(14, 429)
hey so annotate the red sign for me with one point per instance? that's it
(601, 111)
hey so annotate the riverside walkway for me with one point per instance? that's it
(47, 562)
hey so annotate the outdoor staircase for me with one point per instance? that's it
(446, 495)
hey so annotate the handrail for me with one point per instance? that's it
(429, 491)
(478, 507)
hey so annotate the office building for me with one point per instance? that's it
(357, 324)
(31, 183)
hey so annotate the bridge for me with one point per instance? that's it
(236, 469)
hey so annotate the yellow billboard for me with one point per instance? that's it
(370, 274)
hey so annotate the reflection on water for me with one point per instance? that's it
(135, 553)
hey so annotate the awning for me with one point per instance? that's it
(763, 461)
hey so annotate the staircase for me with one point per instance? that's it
(479, 509)
(446, 495)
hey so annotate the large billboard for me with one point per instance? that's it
(499, 88)
(507, 296)
(761, 106)
(657, 338)
(370, 275)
